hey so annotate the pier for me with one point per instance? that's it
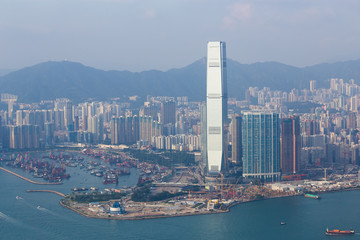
(50, 191)
(28, 180)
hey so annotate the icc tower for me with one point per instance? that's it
(216, 107)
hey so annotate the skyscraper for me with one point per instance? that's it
(290, 145)
(261, 145)
(68, 116)
(96, 127)
(114, 136)
(1, 134)
(19, 117)
(203, 135)
(216, 106)
(168, 112)
(236, 139)
(312, 85)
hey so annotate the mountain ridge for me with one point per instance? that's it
(56, 79)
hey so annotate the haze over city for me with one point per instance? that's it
(175, 112)
(141, 35)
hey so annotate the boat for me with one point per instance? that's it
(38, 207)
(36, 175)
(312, 196)
(283, 223)
(110, 178)
(18, 198)
(339, 232)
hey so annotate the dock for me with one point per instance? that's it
(28, 180)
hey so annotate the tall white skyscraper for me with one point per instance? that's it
(216, 106)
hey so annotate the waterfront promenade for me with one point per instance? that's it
(28, 180)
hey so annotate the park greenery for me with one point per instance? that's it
(95, 197)
(143, 194)
(168, 159)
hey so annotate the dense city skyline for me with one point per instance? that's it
(164, 131)
(136, 36)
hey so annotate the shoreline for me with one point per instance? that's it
(122, 217)
(164, 215)
(236, 203)
(145, 217)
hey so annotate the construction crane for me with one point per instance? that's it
(221, 186)
(231, 190)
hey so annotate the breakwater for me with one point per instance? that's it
(28, 180)
(50, 191)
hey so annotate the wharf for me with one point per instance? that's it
(28, 180)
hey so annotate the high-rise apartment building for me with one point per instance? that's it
(124, 130)
(312, 85)
(236, 139)
(114, 137)
(203, 135)
(290, 145)
(311, 127)
(23, 137)
(149, 110)
(149, 128)
(1, 134)
(96, 127)
(19, 117)
(68, 113)
(168, 112)
(261, 145)
(216, 106)
(59, 120)
(49, 134)
(354, 104)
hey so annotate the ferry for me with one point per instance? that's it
(339, 232)
(312, 196)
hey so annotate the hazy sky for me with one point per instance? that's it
(162, 34)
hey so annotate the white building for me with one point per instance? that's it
(216, 106)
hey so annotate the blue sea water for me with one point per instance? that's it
(39, 216)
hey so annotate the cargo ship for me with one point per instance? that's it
(312, 196)
(339, 232)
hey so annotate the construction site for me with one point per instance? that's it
(181, 199)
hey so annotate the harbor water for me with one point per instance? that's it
(39, 216)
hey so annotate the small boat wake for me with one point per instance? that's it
(48, 211)
(19, 223)
(7, 218)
